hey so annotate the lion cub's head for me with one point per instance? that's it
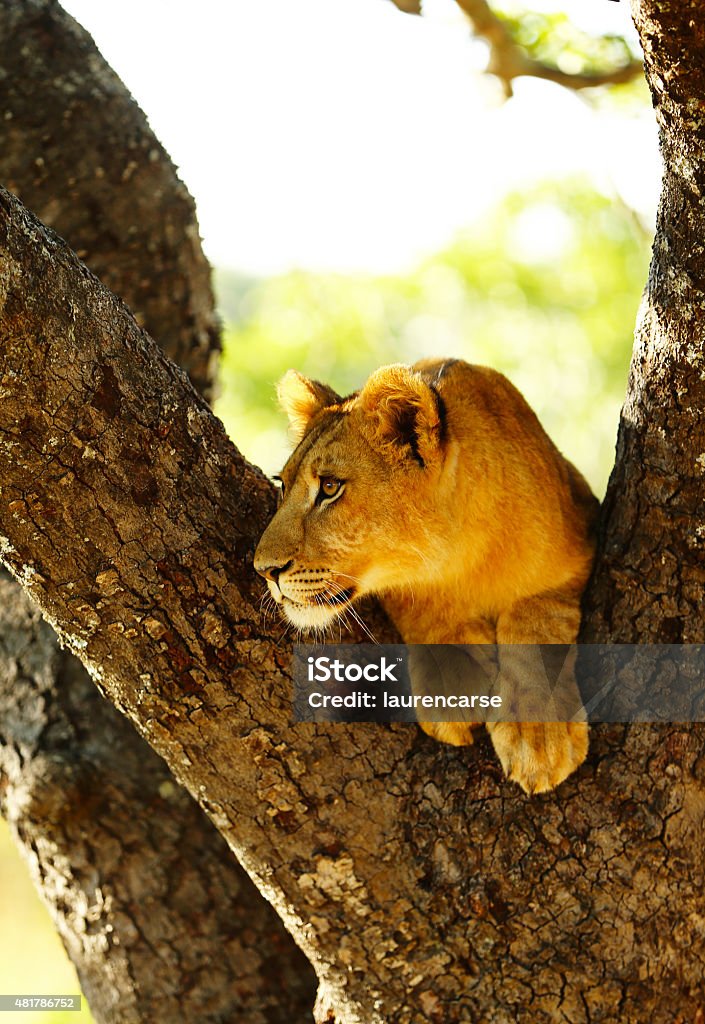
(360, 502)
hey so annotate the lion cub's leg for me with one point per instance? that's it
(539, 755)
(454, 668)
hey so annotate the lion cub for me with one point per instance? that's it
(436, 488)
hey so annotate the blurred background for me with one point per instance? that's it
(368, 194)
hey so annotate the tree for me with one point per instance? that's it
(419, 885)
(527, 46)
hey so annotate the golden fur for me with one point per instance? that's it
(436, 488)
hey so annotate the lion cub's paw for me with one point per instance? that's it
(458, 734)
(539, 755)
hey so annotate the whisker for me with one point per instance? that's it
(355, 579)
(282, 638)
(422, 555)
(368, 632)
(335, 588)
(355, 614)
(267, 606)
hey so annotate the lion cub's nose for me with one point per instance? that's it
(272, 572)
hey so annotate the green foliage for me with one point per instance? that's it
(545, 289)
(554, 39)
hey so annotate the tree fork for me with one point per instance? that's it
(418, 882)
(483, 905)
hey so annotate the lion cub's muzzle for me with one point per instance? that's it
(271, 572)
(310, 598)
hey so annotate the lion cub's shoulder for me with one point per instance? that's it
(502, 446)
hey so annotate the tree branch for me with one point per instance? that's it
(421, 884)
(76, 146)
(508, 61)
(79, 152)
(162, 924)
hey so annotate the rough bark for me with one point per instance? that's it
(650, 578)
(420, 884)
(78, 151)
(75, 145)
(157, 916)
(423, 887)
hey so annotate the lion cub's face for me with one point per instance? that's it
(356, 493)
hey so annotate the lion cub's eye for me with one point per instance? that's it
(328, 487)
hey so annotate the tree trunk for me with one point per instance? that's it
(419, 884)
(78, 151)
(422, 886)
(649, 584)
(156, 914)
(68, 138)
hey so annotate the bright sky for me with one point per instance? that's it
(341, 134)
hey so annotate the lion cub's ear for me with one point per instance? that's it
(301, 399)
(402, 414)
